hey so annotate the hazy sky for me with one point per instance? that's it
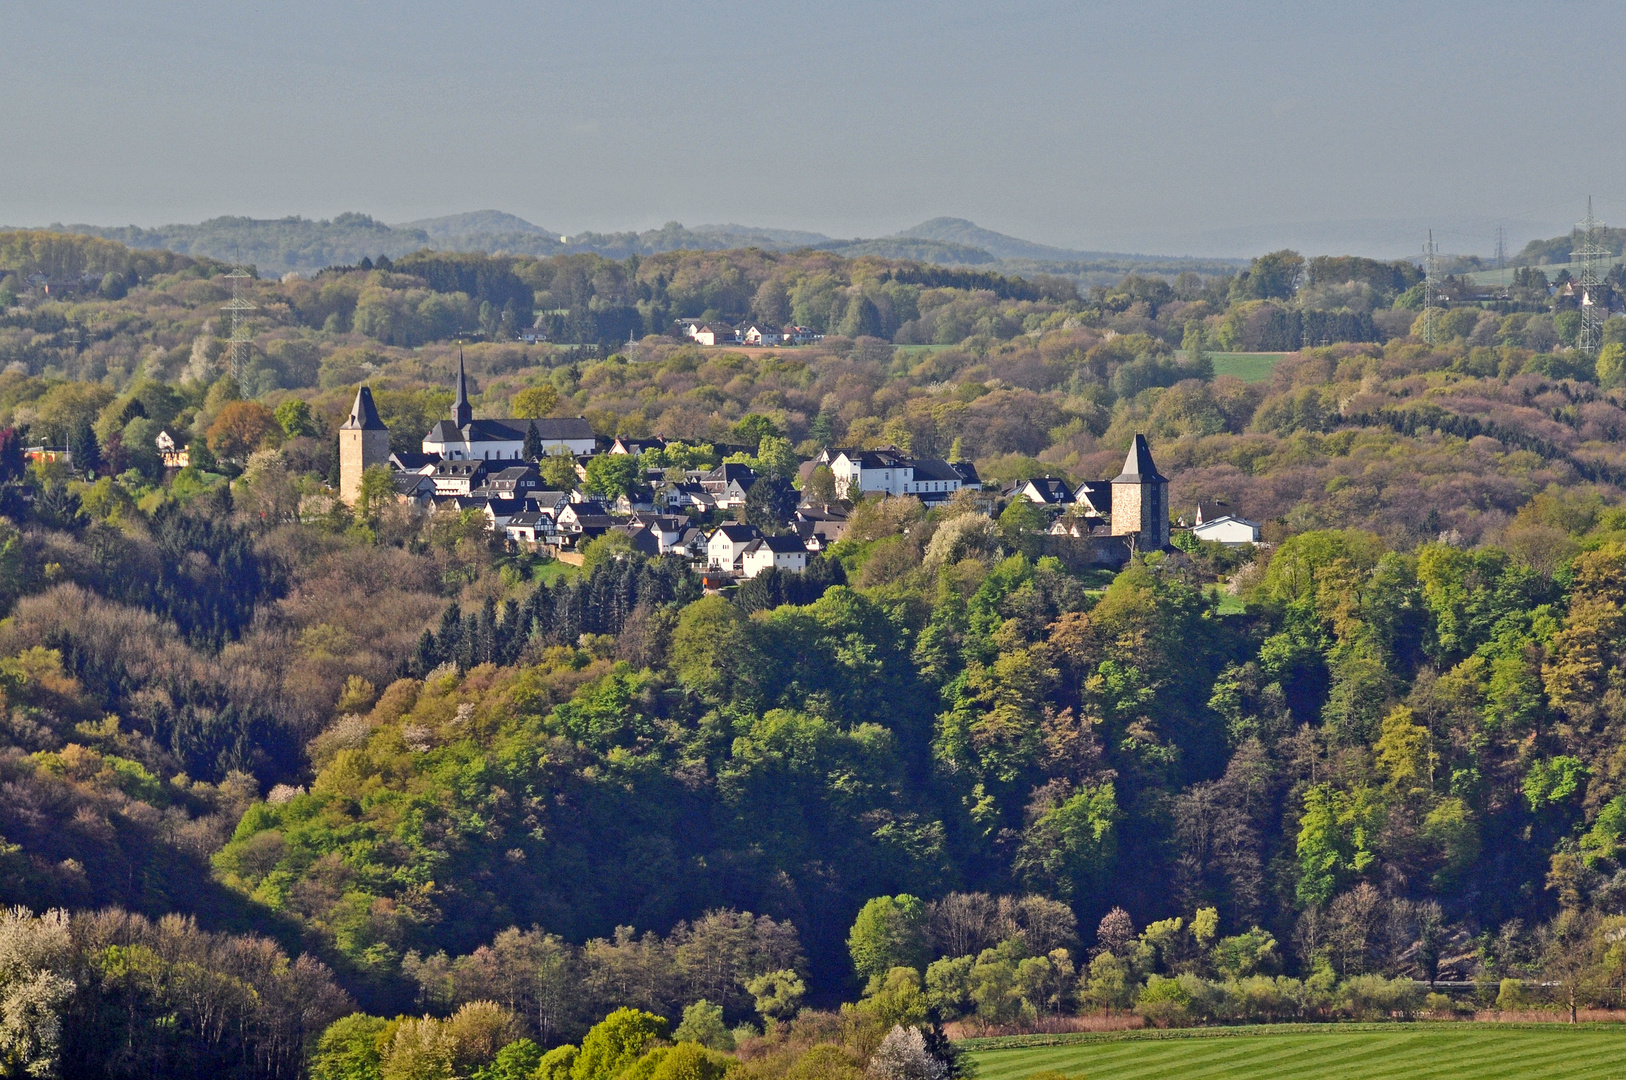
(1208, 128)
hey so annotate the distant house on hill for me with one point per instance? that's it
(174, 457)
(710, 333)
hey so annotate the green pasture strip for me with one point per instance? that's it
(1314, 1052)
(1504, 276)
(552, 570)
(1247, 366)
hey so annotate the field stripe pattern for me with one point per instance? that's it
(1401, 1051)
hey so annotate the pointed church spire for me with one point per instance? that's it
(461, 412)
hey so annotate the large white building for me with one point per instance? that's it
(892, 472)
(463, 438)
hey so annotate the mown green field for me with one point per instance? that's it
(1328, 1052)
(1247, 366)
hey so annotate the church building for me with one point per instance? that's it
(463, 438)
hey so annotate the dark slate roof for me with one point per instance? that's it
(1097, 493)
(783, 545)
(408, 483)
(553, 429)
(643, 538)
(408, 461)
(738, 533)
(473, 468)
(550, 499)
(1051, 489)
(935, 469)
(821, 513)
(1138, 466)
(532, 518)
(878, 459)
(966, 471)
(732, 471)
(364, 414)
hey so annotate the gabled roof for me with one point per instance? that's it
(548, 429)
(1096, 493)
(1050, 489)
(409, 483)
(883, 458)
(936, 469)
(821, 513)
(643, 538)
(779, 545)
(1138, 466)
(738, 534)
(732, 470)
(407, 461)
(363, 414)
(550, 499)
(1226, 519)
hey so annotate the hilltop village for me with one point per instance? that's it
(495, 468)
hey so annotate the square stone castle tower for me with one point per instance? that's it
(364, 442)
(1140, 500)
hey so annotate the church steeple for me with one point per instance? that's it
(462, 414)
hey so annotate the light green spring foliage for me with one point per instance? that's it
(890, 932)
(352, 1048)
(703, 1024)
(778, 994)
(616, 1042)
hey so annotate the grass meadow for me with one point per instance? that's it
(1317, 1052)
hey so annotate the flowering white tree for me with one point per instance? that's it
(33, 991)
(902, 1055)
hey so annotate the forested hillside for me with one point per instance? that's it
(388, 764)
(279, 245)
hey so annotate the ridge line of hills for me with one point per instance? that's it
(278, 245)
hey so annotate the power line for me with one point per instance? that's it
(1430, 273)
(1588, 253)
(241, 340)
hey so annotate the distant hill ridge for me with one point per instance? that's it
(278, 245)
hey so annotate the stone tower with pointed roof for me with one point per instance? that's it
(1140, 500)
(364, 442)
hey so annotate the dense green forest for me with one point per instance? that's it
(290, 786)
